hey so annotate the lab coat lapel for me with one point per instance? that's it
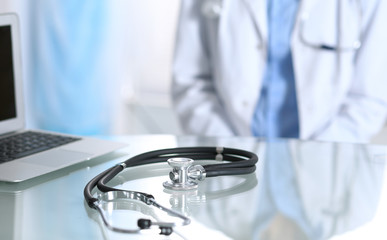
(258, 10)
(306, 6)
(259, 14)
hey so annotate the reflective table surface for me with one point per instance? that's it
(300, 190)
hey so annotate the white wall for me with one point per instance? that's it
(148, 30)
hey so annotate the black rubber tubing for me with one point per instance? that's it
(241, 162)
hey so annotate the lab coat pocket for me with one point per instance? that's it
(332, 26)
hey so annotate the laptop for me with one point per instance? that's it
(45, 151)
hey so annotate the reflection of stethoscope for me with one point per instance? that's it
(187, 201)
(183, 177)
(213, 9)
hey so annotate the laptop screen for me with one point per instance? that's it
(7, 86)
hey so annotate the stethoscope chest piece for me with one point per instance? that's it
(184, 174)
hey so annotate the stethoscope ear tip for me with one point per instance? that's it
(146, 224)
(166, 231)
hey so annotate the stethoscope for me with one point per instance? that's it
(184, 176)
(213, 9)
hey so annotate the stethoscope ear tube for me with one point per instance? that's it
(227, 172)
(107, 177)
(241, 162)
(87, 192)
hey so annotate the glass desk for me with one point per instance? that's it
(300, 190)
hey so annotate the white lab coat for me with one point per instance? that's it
(220, 62)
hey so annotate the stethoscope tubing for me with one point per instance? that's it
(238, 162)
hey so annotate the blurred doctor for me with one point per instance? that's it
(312, 69)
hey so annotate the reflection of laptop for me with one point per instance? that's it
(23, 162)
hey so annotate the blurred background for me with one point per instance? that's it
(98, 67)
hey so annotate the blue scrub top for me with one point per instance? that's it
(276, 113)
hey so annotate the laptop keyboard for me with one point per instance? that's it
(27, 143)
